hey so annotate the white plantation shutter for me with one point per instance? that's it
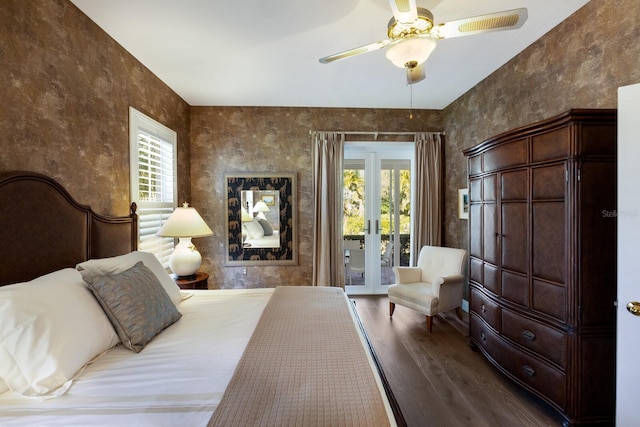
(153, 181)
(150, 220)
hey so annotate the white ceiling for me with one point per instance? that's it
(265, 52)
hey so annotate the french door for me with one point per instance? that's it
(377, 200)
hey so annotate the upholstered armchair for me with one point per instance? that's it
(434, 286)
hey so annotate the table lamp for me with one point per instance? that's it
(261, 207)
(185, 223)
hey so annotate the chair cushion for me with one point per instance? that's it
(416, 296)
(436, 261)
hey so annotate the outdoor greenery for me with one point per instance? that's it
(353, 196)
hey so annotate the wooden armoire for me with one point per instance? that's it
(542, 268)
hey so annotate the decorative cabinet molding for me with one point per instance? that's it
(543, 259)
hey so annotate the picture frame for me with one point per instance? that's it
(463, 203)
(268, 199)
(281, 187)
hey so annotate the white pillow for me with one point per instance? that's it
(254, 229)
(95, 268)
(51, 328)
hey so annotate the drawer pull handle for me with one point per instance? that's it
(529, 370)
(483, 308)
(528, 335)
(483, 337)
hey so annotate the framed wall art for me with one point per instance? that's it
(463, 203)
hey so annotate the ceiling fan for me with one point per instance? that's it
(413, 35)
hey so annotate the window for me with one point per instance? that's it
(153, 180)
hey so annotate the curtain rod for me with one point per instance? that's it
(370, 133)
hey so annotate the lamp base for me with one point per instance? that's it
(185, 259)
(189, 277)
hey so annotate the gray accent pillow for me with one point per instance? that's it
(268, 230)
(136, 303)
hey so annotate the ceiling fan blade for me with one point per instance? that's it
(404, 11)
(415, 74)
(353, 52)
(506, 20)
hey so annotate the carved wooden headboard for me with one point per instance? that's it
(43, 229)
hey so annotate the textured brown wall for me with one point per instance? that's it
(65, 89)
(65, 92)
(265, 140)
(579, 64)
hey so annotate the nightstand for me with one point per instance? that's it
(197, 281)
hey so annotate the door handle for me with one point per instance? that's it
(634, 308)
(377, 227)
(368, 229)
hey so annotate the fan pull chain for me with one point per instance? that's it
(410, 102)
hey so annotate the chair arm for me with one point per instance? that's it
(406, 275)
(449, 288)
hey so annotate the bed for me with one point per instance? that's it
(260, 234)
(282, 356)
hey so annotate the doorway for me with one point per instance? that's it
(377, 204)
(628, 214)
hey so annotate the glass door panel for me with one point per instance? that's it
(395, 216)
(353, 224)
(376, 215)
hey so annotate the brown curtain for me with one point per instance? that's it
(328, 260)
(428, 220)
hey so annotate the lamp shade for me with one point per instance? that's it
(185, 222)
(261, 207)
(415, 48)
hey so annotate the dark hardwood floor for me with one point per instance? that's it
(437, 379)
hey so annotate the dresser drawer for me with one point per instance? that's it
(544, 340)
(482, 334)
(536, 374)
(486, 308)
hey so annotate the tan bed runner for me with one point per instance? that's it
(304, 366)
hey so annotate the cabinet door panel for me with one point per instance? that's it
(475, 230)
(549, 182)
(475, 190)
(515, 185)
(489, 190)
(515, 288)
(551, 145)
(515, 248)
(598, 256)
(475, 270)
(505, 155)
(490, 232)
(550, 299)
(491, 279)
(549, 241)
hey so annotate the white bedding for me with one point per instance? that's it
(177, 380)
(272, 241)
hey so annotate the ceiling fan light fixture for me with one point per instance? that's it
(410, 49)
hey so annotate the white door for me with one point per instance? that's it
(628, 325)
(377, 203)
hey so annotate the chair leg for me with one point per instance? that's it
(392, 308)
(459, 312)
(429, 323)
